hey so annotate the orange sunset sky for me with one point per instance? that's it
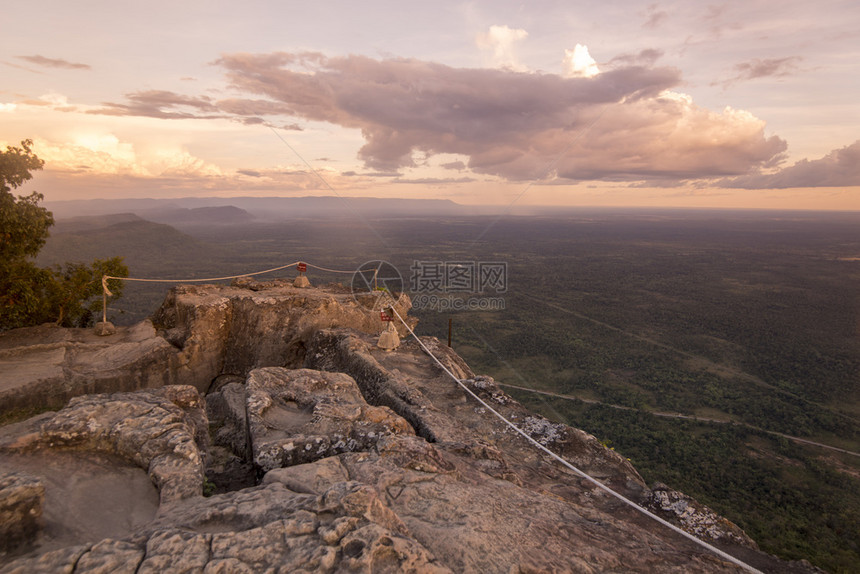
(727, 104)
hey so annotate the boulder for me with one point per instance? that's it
(299, 416)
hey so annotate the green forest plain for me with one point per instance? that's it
(699, 344)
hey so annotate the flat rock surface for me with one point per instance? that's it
(88, 496)
(43, 352)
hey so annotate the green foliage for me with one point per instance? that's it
(23, 224)
(209, 487)
(75, 293)
(779, 493)
(23, 289)
(17, 165)
(30, 294)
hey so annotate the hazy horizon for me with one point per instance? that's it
(648, 104)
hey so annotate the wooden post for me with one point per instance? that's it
(450, 322)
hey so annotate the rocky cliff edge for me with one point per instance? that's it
(258, 428)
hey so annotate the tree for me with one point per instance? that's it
(75, 293)
(29, 294)
(23, 223)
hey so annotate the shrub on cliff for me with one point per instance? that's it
(29, 295)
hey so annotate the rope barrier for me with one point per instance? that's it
(106, 277)
(107, 293)
(579, 472)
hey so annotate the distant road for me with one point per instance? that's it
(680, 416)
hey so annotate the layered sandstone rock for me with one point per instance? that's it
(198, 334)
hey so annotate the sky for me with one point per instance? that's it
(730, 104)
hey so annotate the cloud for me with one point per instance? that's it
(623, 124)
(162, 104)
(767, 68)
(434, 180)
(248, 107)
(54, 63)
(17, 67)
(757, 68)
(647, 57)
(105, 154)
(578, 63)
(253, 121)
(838, 168)
(654, 17)
(500, 40)
(458, 165)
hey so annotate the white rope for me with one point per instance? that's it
(207, 279)
(594, 481)
(107, 293)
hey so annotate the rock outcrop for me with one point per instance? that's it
(199, 333)
(357, 459)
(299, 416)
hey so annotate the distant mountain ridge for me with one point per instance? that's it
(145, 243)
(85, 223)
(214, 215)
(201, 209)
